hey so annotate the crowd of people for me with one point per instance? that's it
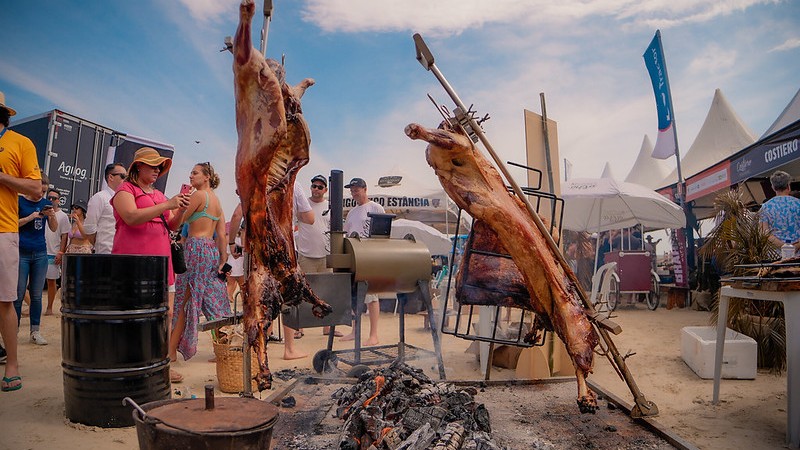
(130, 216)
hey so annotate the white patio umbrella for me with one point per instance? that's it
(437, 242)
(601, 204)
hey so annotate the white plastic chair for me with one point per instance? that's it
(601, 287)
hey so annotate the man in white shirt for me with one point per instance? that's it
(304, 215)
(358, 222)
(312, 240)
(100, 225)
(56, 246)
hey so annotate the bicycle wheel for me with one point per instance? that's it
(654, 296)
(613, 293)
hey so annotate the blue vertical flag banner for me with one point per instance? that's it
(654, 61)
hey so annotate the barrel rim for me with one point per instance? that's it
(110, 372)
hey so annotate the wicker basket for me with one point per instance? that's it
(229, 368)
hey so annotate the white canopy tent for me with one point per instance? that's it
(789, 115)
(607, 172)
(437, 242)
(647, 171)
(723, 133)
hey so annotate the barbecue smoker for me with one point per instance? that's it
(362, 266)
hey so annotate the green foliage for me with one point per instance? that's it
(738, 238)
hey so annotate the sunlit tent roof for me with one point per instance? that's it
(723, 133)
(648, 171)
(789, 115)
(607, 172)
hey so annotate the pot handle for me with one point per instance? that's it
(129, 401)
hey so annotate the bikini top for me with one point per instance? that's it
(75, 234)
(198, 214)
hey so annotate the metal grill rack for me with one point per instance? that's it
(466, 314)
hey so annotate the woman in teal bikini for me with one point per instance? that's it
(200, 288)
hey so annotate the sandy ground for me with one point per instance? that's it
(752, 414)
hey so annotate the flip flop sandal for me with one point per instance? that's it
(175, 377)
(7, 384)
(298, 334)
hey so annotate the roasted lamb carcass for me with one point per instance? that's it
(273, 146)
(476, 186)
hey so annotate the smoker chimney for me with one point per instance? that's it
(336, 199)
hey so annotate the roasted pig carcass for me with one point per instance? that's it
(273, 146)
(476, 186)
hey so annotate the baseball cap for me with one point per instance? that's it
(357, 182)
(321, 179)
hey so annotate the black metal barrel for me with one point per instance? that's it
(113, 335)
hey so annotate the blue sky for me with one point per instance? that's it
(153, 68)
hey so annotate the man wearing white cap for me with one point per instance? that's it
(19, 174)
(358, 221)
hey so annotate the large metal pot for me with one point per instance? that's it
(205, 424)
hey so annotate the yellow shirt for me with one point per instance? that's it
(18, 159)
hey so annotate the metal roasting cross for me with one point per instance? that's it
(466, 120)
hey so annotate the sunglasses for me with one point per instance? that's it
(317, 186)
(52, 197)
(122, 176)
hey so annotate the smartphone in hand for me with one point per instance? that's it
(186, 189)
(226, 268)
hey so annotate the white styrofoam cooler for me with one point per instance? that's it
(698, 348)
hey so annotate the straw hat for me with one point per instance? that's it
(151, 157)
(11, 111)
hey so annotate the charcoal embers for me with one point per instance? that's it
(400, 408)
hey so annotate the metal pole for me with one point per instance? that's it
(689, 238)
(265, 27)
(547, 144)
(547, 158)
(247, 388)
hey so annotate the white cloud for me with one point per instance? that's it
(789, 44)
(210, 10)
(713, 61)
(446, 17)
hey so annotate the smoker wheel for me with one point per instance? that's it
(325, 361)
(357, 370)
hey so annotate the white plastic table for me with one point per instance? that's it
(791, 308)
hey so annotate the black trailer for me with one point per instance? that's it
(73, 152)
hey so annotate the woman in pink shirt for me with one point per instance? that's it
(143, 213)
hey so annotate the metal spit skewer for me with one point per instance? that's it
(643, 407)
